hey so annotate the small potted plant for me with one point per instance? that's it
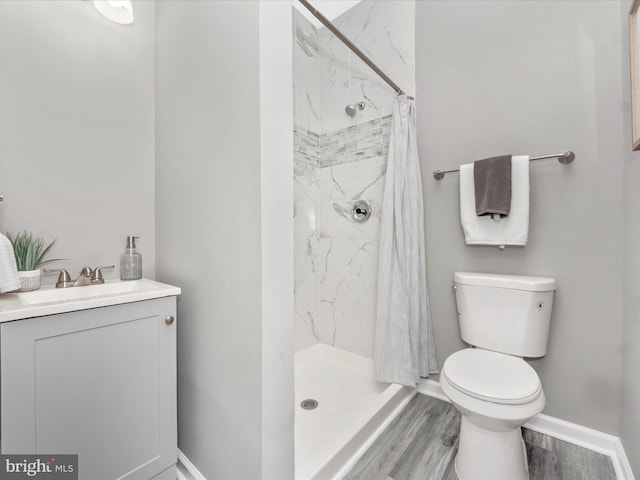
(30, 251)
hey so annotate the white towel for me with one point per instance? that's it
(8, 271)
(510, 230)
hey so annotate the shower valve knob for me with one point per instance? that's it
(361, 211)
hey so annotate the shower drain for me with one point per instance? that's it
(309, 404)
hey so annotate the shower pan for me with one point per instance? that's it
(350, 408)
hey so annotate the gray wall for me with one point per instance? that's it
(630, 413)
(208, 225)
(533, 77)
(76, 130)
(77, 146)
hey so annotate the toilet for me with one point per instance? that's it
(503, 318)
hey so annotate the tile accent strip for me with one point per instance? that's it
(305, 146)
(357, 142)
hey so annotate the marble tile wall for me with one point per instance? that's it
(335, 257)
(385, 32)
(306, 74)
(340, 159)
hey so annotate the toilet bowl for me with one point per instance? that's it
(496, 394)
(504, 318)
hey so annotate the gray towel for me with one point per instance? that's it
(492, 181)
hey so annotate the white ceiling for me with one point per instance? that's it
(329, 8)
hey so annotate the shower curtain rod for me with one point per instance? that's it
(327, 23)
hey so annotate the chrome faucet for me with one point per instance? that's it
(64, 279)
(96, 276)
(86, 277)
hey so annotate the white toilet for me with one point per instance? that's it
(505, 317)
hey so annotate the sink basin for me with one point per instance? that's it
(51, 300)
(48, 295)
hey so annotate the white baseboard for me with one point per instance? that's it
(187, 470)
(432, 388)
(589, 438)
(584, 437)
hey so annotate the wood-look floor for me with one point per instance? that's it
(421, 444)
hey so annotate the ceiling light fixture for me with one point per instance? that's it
(118, 11)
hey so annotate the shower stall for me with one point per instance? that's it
(342, 118)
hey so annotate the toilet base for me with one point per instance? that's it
(484, 454)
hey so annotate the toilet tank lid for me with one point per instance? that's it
(516, 282)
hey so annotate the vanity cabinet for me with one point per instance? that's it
(100, 383)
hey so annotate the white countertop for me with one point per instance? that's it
(50, 300)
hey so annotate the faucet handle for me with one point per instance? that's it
(86, 272)
(64, 279)
(96, 277)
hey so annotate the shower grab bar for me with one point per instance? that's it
(564, 158)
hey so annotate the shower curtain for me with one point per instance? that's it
(404, 349)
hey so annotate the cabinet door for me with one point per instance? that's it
(99, 383)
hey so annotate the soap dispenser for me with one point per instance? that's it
(130, 261)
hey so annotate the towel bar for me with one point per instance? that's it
(564, 158)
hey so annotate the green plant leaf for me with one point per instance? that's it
(30, 251)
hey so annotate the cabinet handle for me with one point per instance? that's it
(169, 320)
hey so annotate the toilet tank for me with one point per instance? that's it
(505, 313)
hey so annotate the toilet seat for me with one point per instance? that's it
(491, 376)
